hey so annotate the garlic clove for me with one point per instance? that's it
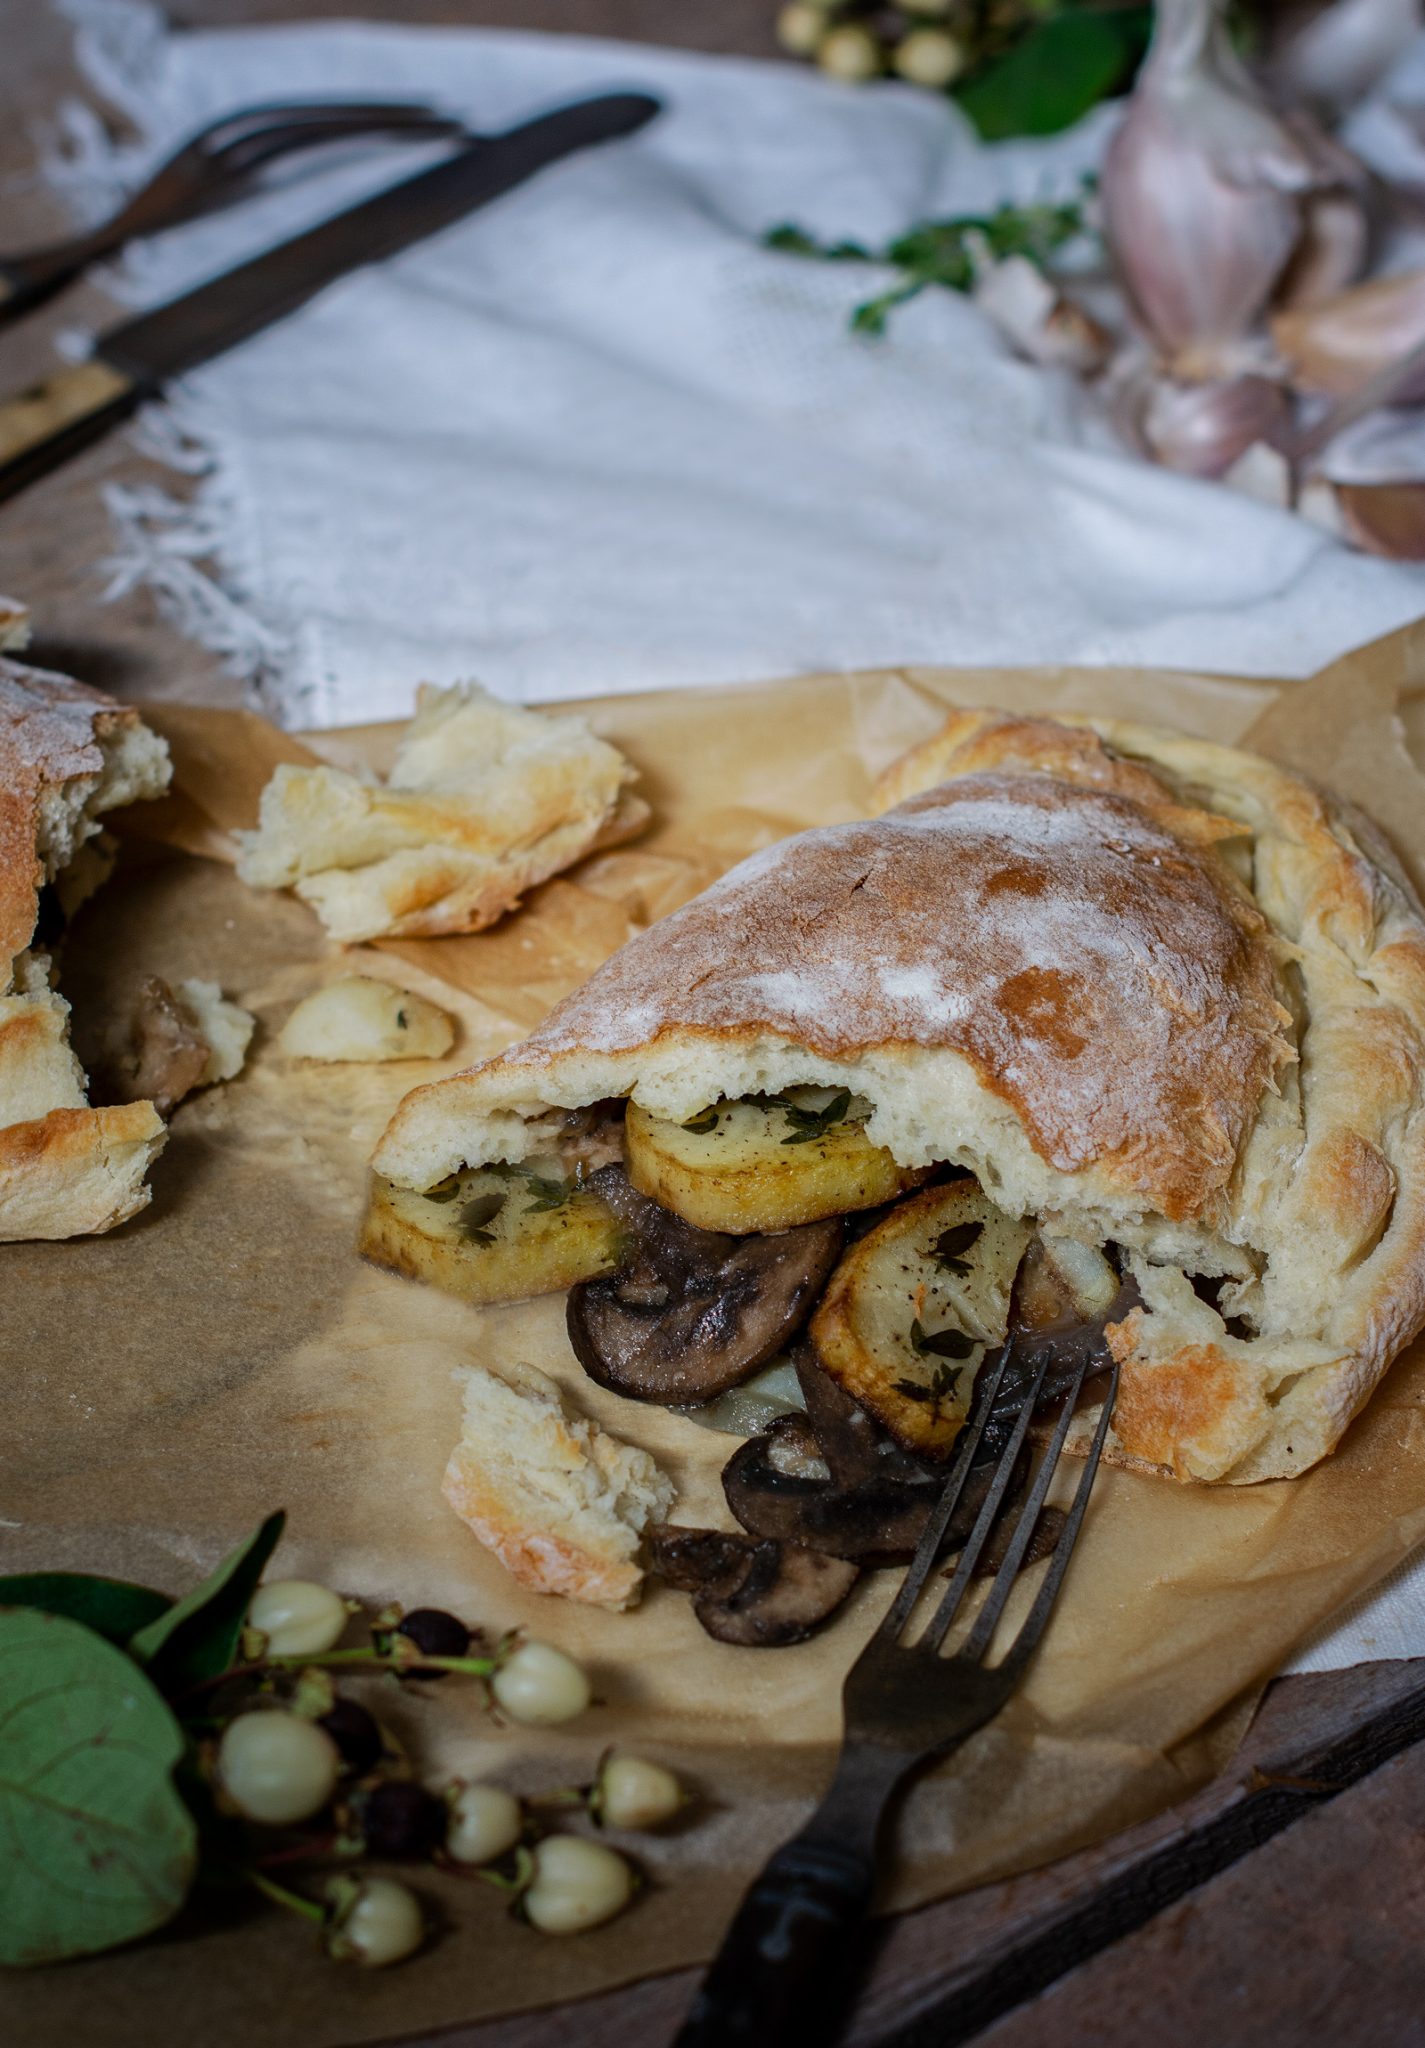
(1203, 429)
(1334, 347)
(1261, 472)
(1334, 58)
(1385, 519)
(1205, 190)
(1041, 323)
(1334, 245)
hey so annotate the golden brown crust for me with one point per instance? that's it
(67, 753)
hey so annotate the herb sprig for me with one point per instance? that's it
(949, 253)
(811, 1124)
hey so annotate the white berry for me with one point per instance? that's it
(276, 1767)
(539, 1685)
(377, 1922)
(631, 1792)
(298, 1617)
(576, 1884)
(485, 1821)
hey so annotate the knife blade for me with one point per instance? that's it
(52, 420)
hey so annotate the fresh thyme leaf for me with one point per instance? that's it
(949, 1248)
(546, 1194)
(940, 1343)
(444, 1190)
(943, 1384)
(810, 1124)
(400, 1020)
(479, 1211)
(703, 1122)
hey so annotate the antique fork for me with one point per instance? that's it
(212, 170)
(789, 1952)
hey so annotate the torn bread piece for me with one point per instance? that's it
(67, 754)
(169, 1043)
(562, 1503)
(484, 800)
(1156, 998)
(361, 1018)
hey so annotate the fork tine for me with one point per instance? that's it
(978, 1640)
(934, 1635)
(1025, 1643)
(933, 1535)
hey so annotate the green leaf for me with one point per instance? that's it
(703, 1122)
(96, 1846)
(111, 1607)
(1053, 75)
(198, 1638)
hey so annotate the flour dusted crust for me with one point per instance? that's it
(1151, 991)
(485, 800)
(67, 754)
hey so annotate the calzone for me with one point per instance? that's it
(1094, 1033)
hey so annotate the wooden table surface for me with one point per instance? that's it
(1284, 1904)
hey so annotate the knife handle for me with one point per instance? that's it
(57, 417)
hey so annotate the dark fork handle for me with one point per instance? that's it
(787, 1956)
(788, 1953)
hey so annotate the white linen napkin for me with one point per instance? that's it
(597, 438)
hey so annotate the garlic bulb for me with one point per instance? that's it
(1207, 192)
(1202, 429)
(1337, 346)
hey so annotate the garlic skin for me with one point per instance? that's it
(1203, 429)
(1038, 320)
(1338, 346)
(1385, 519)
(1335, 58)
(1206, 191)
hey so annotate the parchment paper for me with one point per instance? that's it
(226, 1353)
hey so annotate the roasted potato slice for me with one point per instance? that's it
(913, 1308)
(765, 1163)
(494, 1233)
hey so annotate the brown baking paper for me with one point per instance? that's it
(226, 1353)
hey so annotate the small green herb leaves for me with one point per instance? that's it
(941, 1387)
(944, 252)
(86, 1785)
(546, 1194)
(111, 1607)
(198, 1637)
(479, 1211)
(810, 1124)
(941, 1343)
(948, 1250)
(703, 1122)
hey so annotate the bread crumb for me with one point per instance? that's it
(561, 1502)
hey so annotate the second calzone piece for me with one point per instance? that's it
(1102, 1023)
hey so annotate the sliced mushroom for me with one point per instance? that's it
(853, 1444)
(759, 1594)
(773, 1494)
(690, 1313)
(1046, 1321)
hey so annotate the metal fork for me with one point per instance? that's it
(788, 1954)
(210, 171)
